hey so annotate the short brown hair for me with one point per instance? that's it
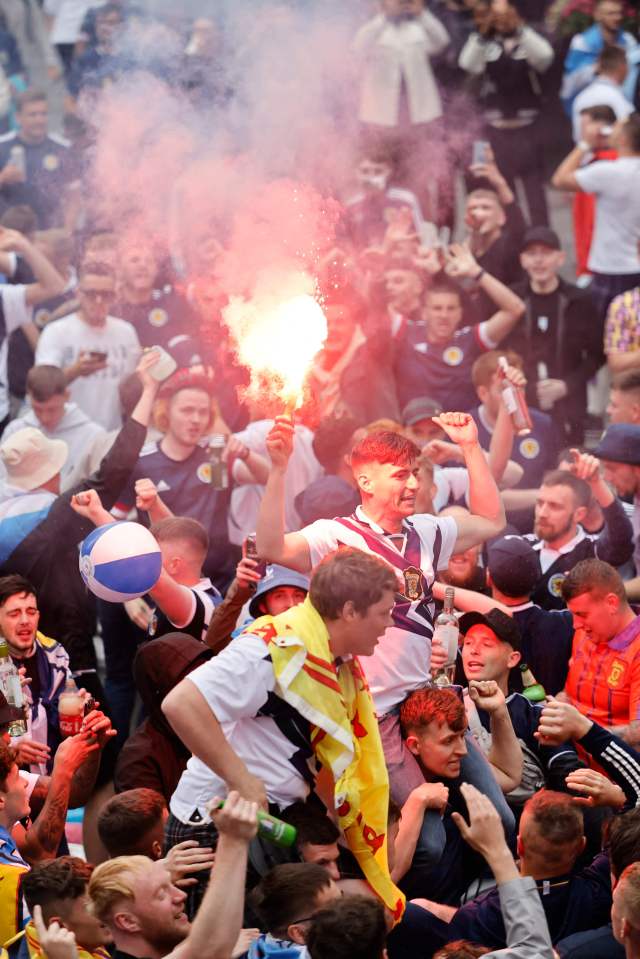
(45, 381)
(353, 927)
(622, 840)
(629, 890)
(350, 575)
(7, 762)
(32, 95)
(113, 881)
(182, 527)
(461, 949)
(580, 488)
(288, 892)
(592, 576)
(558, 821)
(56, 880)
(127, 819)
(432, 705)
(486, 366)
(384, 446)
(626, 382)
(96, 268)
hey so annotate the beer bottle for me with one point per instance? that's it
(277, 831)
(531, 689)
(514, 401)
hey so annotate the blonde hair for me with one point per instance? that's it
(113, 881)
(384, 424)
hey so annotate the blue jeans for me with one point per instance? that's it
(405, 775)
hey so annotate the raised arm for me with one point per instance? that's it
(505, 756)
(615, 541)
(48, 283)
(487, 519)
(274, 546)
(461, 263)
(218, 922)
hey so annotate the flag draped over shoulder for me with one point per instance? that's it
(335, 699)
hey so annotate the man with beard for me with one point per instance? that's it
(558, 537)
(143, 910)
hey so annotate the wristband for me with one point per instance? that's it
(479, 276)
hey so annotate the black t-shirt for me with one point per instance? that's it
(542, 342)
(30, 664)
(157, 321)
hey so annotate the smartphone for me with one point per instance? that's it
(250, 551)
(481, 152)
(98, 355)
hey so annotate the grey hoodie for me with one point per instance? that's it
(78, 432)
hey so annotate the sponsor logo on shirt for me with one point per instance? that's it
(50, 162)
(453, 356)
(158, 317)
(529, 448)
(617, 674)
(555, 584)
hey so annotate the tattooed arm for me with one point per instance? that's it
(42, 839)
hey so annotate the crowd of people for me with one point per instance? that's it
(384, 695)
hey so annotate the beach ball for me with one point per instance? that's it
(120, 561)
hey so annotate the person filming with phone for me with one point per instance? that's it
(94, 349)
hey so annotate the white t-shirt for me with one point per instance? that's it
(236, 685)
(16, 313)
(616, 235)
(400, 662)
(62, 342)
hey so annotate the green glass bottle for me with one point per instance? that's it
(531, 689)
(274, 830)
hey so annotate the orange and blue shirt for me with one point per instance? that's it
(604, 680)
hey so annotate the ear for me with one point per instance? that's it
(126, 922)
(348, 611)
(482, 392)
(412, 744)
(579, 514)
(295, 933)
(562, 256)
(520, 846)
(156, 849)
(364, 482)
(514, 658)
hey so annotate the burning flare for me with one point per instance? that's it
(278, 333)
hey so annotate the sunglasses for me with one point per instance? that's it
(98, 294)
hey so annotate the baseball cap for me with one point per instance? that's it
(420, 408)
(541, 234)
(514, 565)
(505, 627)
(620, 444)
(274, 577)
(31, 458)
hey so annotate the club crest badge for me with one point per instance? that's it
(413, 583)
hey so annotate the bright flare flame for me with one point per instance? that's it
(278, 333)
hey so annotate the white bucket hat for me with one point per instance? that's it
(31, 459)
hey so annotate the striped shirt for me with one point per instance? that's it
(604, 680)
(400, 662)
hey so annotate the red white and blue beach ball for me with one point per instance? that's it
(120, 561)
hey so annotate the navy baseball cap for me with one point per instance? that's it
(620, 444)
(541, 234)
(505, 627)
(277, 576)
(514, 565)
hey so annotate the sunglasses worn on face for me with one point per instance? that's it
(98, 294)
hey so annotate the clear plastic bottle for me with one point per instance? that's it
(12, 689)
(447, 632)
(70, 709)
